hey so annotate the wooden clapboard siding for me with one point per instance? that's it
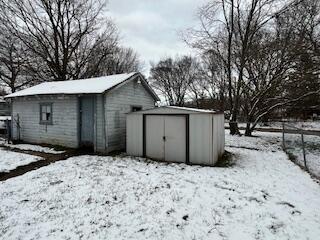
(118, 104)
(100, 124)
(63, 131)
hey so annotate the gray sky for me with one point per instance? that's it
(150, 26)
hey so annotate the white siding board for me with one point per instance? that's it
(121, 99)
(63, 131)
(100, 129)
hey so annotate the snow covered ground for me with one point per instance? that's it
(262, 196)
(293, 145)
(306, 125)
(10, 160)
(30, 147)
(312, 149)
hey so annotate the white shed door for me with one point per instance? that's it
(166, 138)
(175, 138)
(154, 137)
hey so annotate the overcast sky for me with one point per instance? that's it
(150, 26)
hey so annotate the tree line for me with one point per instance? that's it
(255, 57)
(57, 40)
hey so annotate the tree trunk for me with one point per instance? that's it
(234, 129)
(248, 131)
(12, 86)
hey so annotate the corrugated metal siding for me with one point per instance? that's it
(63, 131)
(118, 104)
(218, 136)
(206, 142)
(221, 134)
(200, 139)
(215, 139)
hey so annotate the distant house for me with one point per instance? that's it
(80, 113)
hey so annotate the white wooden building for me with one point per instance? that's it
(176, 134)
(88, 113)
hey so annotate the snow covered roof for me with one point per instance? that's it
(192, 109)
(85, 86)
(174, 110)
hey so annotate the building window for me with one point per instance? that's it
(45, 113)
(136, 108)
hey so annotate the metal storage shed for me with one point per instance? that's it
(176, 134)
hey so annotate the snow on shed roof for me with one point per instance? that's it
(174, 109)
(192, 109)
(91, 85)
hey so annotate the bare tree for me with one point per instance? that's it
(282, 70)
(122, 60)
(64, 34)
(13, 62)
(172, 78)
(304, 75)
(215, 38)
(2, 92)
(198, 89)
(90, 58)
(266, 73)
(217, 80)
(253, 52)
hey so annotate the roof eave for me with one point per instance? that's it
(155, 96)
(145, 84)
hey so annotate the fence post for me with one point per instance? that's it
(304, 152)
(283, 143)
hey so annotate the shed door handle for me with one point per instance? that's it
(164, 138)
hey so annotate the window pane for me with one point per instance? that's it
(46, 113)
(43, 116)
(135, 109)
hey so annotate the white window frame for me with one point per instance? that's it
(44, 114)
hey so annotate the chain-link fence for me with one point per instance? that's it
(303, 147)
